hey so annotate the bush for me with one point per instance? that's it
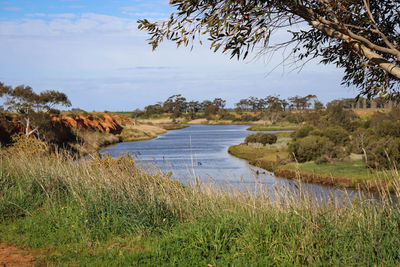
(336, 115)
(294, 117)
(223, 114)
(337, 135)
(247, 117)
(311, 148)
(316, 132)
(263, 138)
(387, 128)
(360, 139)
(384, 153)
(303, 132)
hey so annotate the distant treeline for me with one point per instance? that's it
(178, 105)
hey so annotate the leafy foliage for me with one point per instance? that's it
(33, 109)
(360, 37)
(310, 148)
(262, 138)
(383, 153)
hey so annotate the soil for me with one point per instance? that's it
(13, 256)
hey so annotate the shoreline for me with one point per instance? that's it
(145, 136)
(280, 171)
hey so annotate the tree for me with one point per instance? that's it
(219, 102)
(284, 104)
(33, 109)
(153, 109)
(318, 105)
(274, 109)
(295, 102)
(359, 36)
(175, 104)
(194, 107)
(242, 105)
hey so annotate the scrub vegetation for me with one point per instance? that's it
(335, 147)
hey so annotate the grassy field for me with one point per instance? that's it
(108, 212)
(275, 127)
(353, 169)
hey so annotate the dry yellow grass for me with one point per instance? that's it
(141, 132)
(161, 121)
(198, 121)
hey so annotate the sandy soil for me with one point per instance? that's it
(13, 256)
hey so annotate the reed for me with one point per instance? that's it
(111, 211)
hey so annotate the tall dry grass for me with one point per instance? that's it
(58, 199)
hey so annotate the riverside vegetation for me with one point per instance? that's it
(333, 147)
(63, 209)
(109, 211)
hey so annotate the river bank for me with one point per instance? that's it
(130, 133)
(350, 173)
(90, 141)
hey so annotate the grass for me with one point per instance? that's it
(92, 141)
(140, 132)
(354, 169)
(105, 211)
(367, 113)
(257, 153)
(274, 127)
(170, 127)
(263, 156)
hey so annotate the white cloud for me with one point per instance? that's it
(36, 15)
(66, 24)
(107, 59)
(64, 15)
(129, 8)
(77, 6)
(11, 8)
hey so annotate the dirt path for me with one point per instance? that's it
(13, 256)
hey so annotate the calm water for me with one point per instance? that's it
(201, 151)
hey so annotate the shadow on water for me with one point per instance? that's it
(198, 155)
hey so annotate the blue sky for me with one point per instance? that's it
(93, 51)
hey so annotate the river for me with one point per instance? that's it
(200, 152)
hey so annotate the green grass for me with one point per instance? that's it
(277, 127)
(255, 153)
(352, 169)
(109, 212)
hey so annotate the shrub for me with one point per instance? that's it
(247, 117)
(321, 160)
(28, 145)
(336, 115)
(316, 132)
(337, 135)
(294, 117)
(263, 138)
(387, 128)
(360, 139)
(225, 115)
(384, 153)
(266, 138)
(311, 148)
(303, 132)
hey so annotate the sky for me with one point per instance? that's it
(93, 52)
